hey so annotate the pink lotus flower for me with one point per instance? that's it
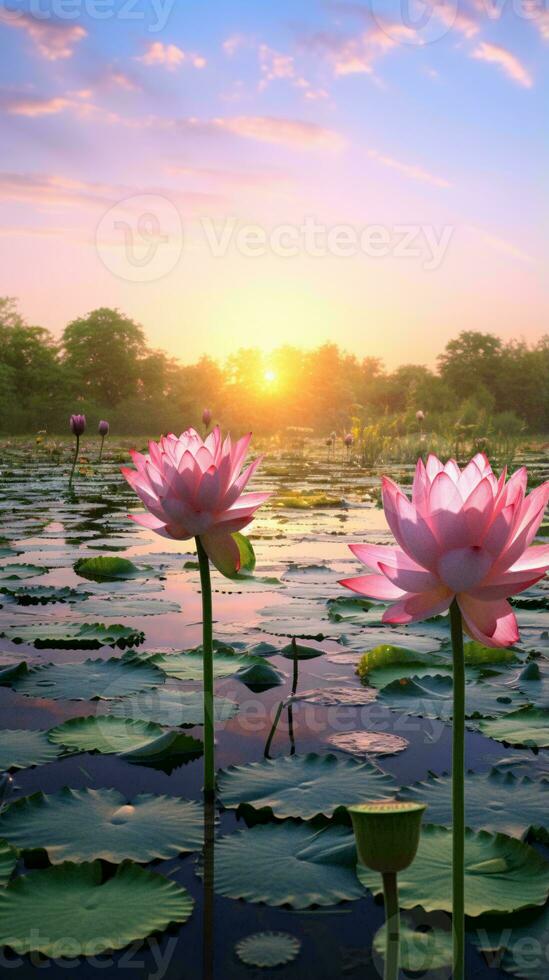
(464, 535)
(193, 487)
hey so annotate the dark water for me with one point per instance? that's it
(305, 550)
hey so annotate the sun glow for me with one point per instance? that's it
(269, 376)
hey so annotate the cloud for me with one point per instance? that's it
(169, 56)
(507, 61)
(412, 171)
(233, 43)
(53, 39)
(35, 105)
(289, 132)
(501, 245)
(358, 55)
(231, 179)
(274, 65)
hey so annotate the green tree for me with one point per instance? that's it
(102, 353)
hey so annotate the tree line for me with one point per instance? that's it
(103, 367)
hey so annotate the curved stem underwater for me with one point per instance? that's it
(207, 660)
(458, 794)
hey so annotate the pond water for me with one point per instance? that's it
(301, 553)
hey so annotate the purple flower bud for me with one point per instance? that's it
(206, 416)
(103, 428)
(348, 439)
(78, 424)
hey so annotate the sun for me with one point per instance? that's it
(269, 376)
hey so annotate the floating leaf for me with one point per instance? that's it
(494, 801)
(166, 751)
(268, 949)
(130, 606)
(18, 571)
(501, 874)
(477, 655)
(89, 680)
(11, 672)
(70, 910)
(101, 733)
(520, 951)
(33, 595)
(421, 950)
(24, 749)
(190, 666)
(171, 707)
(368, 743)
(332, 696)
(303, 786)
(103, 568)
(87, 824)
(8, 860)
(346, 608)
(260, 676)
(433, 697)
(288, 864)
(74, 636)
(298, 651)
(377, 665)
(527, 726)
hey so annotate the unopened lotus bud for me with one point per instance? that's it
(103, 428)
(348, 440)
(78, 424)
(206, 416)
(420, 416)
(387, 833)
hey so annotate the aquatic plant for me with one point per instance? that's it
(463, 544)
(103, 430)
(78, 427)
(194, 488)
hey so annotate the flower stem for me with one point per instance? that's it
(207, 661)
(458, 795)
(74, 460)
(392, 925)
(101, 450)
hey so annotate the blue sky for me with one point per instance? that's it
(128, 140)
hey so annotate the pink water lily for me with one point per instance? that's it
(465, 535)
(194, 487)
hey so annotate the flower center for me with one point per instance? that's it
(462, 569)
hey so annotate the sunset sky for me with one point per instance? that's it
(140, 139)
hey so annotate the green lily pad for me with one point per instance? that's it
(260, 676)
(366, 743)
(288, 864)
(344, 607)
(11, 672)
(502, 875)
(104, 568)
(24, 749)
(432, 697)
(8, 860)
(130, 606)
(19, 571)
(495, 801)
(33, 595)
(268, 949)
(527, 726)
(386, 663)
(303, 786)
(421, 950)
(74, 636)
(87, 824)
(166, 751)
(189, 666)
(88, 681)
(298, 651)
(101, 733)
(477, 655)
(70, 910)
(171, 707)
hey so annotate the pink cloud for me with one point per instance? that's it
(169, 56)
(53, 39)
(289, 132)
(35, 105)
(358, 55)
(412, 171)
(506, 60)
